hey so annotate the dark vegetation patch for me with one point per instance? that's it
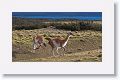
(66, 24)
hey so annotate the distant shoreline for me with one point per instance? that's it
(60, 18)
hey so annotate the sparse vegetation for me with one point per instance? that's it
(84, 46)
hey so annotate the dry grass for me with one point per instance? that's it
(86, 56)
(83, 46)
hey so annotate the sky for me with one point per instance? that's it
(87, 14)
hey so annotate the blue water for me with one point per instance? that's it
(64, 17)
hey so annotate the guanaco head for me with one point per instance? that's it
(70, 33)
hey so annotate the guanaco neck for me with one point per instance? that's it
(67, 38)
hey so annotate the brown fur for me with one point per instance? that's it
(39, 38)
(58, 41)
(39, 41)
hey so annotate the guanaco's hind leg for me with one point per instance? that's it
(53, 54)
(57, 51)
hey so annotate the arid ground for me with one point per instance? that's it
(83, 46)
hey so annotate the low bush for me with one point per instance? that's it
(29, 24)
